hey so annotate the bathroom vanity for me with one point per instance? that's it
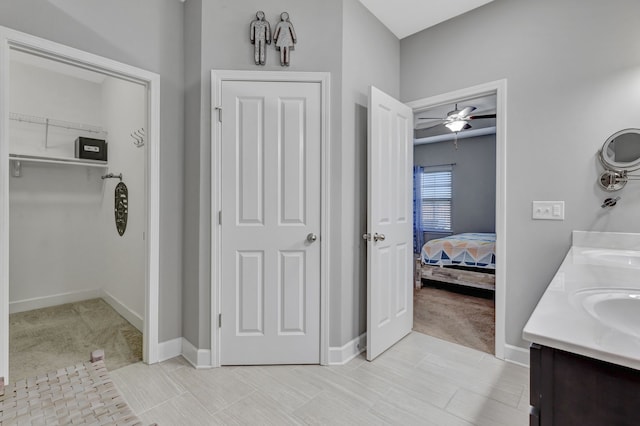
(585, 356)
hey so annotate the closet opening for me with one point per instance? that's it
(78, 214)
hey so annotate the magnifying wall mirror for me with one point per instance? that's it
(621, 151)
(620, 154)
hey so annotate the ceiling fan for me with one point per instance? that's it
(458, 120)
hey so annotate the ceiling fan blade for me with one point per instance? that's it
(466, 111)
(475, 117)
(430, 118)
(466, 126)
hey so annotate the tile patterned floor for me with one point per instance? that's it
(420, 381)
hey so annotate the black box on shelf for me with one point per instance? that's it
(91, 149)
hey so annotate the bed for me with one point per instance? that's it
(463, 259)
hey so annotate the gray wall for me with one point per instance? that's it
(573, 78)
(336, 36)
(222, 43)
(474, 180)
(195, 118)
(183, 42)
(370, 56)
(147, 34)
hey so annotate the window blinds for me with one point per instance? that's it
(436, 200)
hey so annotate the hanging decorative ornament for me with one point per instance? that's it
(121, 207)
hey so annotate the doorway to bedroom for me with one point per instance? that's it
(455, 221)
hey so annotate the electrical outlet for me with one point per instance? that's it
(548, 210)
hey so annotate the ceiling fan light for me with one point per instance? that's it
(456, 126)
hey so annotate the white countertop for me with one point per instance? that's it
(561, 319)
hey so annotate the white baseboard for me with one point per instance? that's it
(516, 355)
(342, 355)
(169, 349)
(77, 296)
(53, 300)
(199, 358)
(134, 319)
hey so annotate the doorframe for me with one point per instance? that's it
(217, 78)
(15, 39)
(499, 87)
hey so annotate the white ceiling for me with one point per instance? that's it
(406, 17)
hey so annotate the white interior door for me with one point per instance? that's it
(270, 231)
(389, 222)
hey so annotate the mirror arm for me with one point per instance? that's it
(610, 180)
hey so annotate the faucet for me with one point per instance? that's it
(610, 202)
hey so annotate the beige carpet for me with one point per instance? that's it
(46, 339)
(458, 318)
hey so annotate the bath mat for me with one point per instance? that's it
(81, 394)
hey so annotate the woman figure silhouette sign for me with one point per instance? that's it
(285, 38)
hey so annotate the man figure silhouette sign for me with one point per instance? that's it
(260, 35)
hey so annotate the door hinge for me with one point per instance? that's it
(220, 217)
(219, 109)
(219, 320)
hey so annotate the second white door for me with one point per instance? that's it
(390, 223)
(270, 224)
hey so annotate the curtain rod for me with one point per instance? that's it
(440, 165)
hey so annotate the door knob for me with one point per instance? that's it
(366, 236)
(312, 237)
(378, 237)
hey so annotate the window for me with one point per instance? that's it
(436, 200)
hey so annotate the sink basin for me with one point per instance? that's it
(616, 308)
(628, 258)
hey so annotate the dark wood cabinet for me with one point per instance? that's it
(569, 389)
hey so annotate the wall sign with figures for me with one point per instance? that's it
(284, 38)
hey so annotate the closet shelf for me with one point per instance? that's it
(57, 160)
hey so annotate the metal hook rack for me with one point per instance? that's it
(112, 176)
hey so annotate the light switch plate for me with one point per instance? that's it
(548, 210)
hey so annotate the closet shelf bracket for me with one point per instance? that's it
(112, 176)
(16, 169)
